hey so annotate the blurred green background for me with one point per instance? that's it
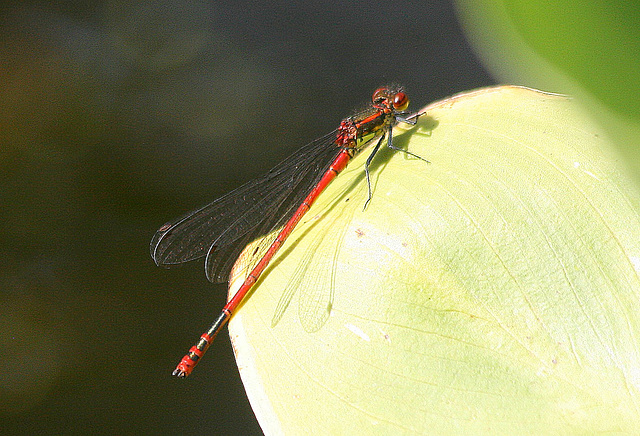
(587, 49)
(118, 116)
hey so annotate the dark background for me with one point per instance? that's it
(117, 116)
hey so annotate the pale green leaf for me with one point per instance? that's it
(586, 48)
(493, 290)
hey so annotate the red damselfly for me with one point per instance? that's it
(278, 200)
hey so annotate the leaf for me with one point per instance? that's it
(492, 291)
(586, 48)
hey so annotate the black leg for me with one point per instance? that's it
(393, 147)
(366, 168)
(389, 135)
(410, 120)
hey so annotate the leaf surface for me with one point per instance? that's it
(494, 290)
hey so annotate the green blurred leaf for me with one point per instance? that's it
(492, 291)
(588, 49)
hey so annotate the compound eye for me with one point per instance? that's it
(379, 95)
(400, 101)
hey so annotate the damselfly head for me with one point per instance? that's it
(390, 97)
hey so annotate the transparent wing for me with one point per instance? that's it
(221, 229)
(315, 275)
